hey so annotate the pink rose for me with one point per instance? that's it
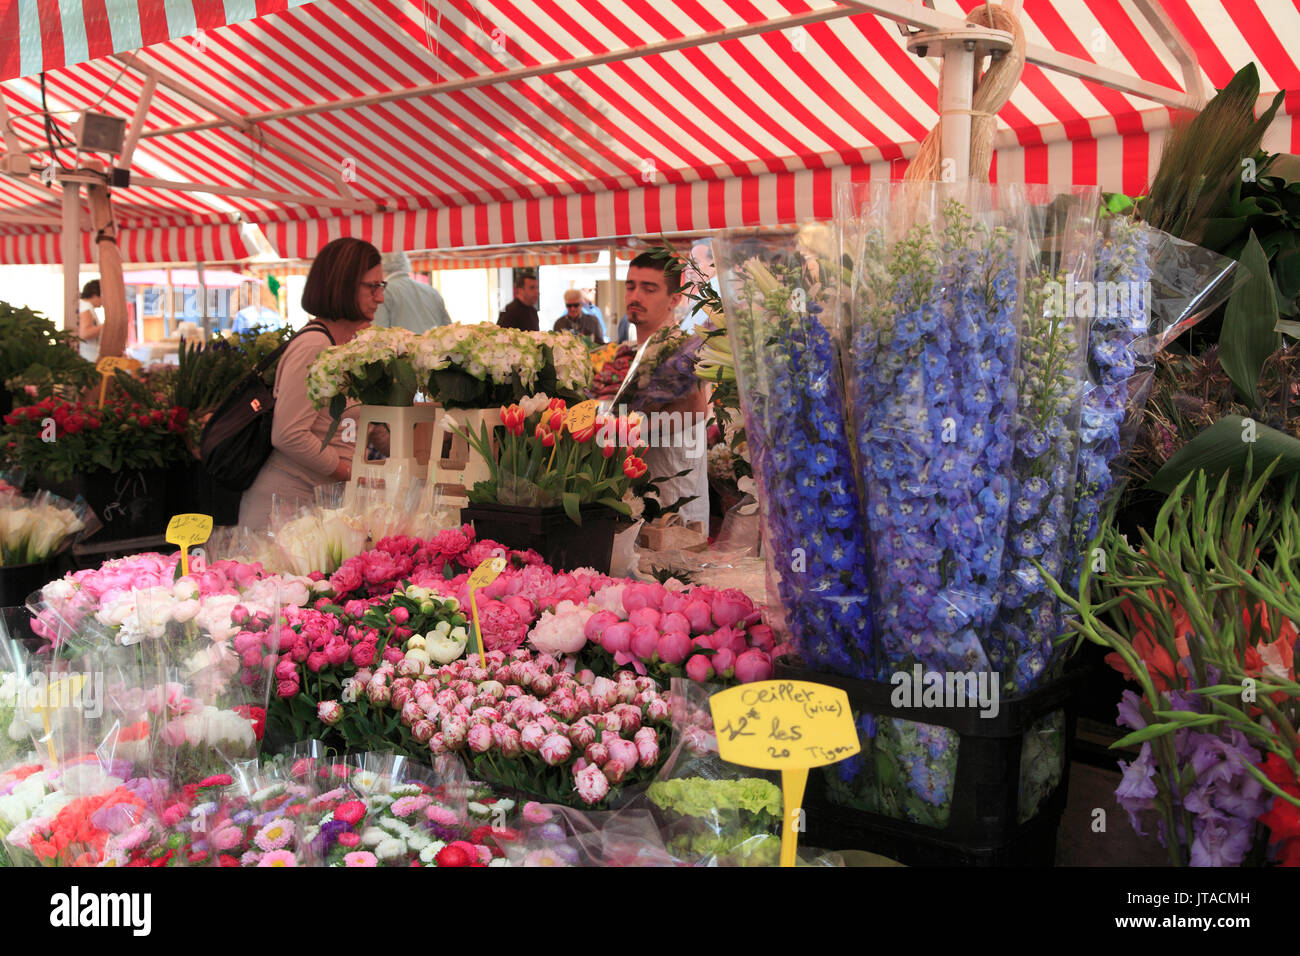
(617, 637)
(591, 784)
(698, 668)
(329, 712)
(645, 641)
(479, 738)
(673, 647)
(644, 617)
(753, 665)
(555, 750)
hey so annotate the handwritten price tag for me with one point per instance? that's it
(186, 531)
(582, 415)
(481, 577)
(110, 364)
(785, 725)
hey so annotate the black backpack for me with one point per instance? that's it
(236, 440)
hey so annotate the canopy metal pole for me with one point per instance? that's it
(112, 340)
(203, 299)
(614, 315)
(70, 248)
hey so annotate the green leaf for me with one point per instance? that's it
(1287, 327)
(1249, 333)
(572, 504)
(615, 505)
(1222, 447)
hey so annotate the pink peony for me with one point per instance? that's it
(531, 736)
(724, 661)
(673, 647)
(582, 732)
(592, 785)
(621, 750)
(753, 665)
(329, 712)
(647, 750)
(648, 594)
(597, 623)
(617, 637)
(555, 750)
(731, 606)
(644, 617)
(423, 731)
(698, 668)
(645, 641)
(675, 622)
(615, 770)
(762, 637)
(659, 709)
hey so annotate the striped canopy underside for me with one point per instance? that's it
(748, 130)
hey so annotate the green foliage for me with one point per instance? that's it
(35, 352)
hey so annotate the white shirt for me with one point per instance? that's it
(89, 348)
(669, 460)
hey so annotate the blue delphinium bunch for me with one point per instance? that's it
(1050, 380)
(933, 398)
(787, 365)
(1114, 338)
(933, 350)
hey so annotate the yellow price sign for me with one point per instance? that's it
(785, 725)
(582, 415)
(110, 364)
(481, 577)
(186, 531)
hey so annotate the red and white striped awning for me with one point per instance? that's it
(500, 122)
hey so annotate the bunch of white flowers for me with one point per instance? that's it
(331, 373)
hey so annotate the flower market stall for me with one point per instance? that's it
(1032, 395)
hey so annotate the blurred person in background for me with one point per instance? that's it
(577, 320)
(521, 313)
(88, 327)
(408, 304)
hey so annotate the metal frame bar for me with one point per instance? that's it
(328, 202)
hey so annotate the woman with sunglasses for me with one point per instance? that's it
(344, 288)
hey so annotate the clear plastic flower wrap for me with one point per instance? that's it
(250, 816)
(554, 835)
(1050, 379)
(33, 528)
(315, 537)
(933, 344)
(76, 712)
(783, 296)
(1149, 288)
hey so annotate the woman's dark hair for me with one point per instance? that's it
(90, 289)
(332, 283)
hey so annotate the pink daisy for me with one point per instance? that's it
(441, 816)
(535, 812)
(274, 836)
(405, 806)
(227, 838)
(360, 858)
(279, 858)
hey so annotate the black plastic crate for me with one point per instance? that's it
(564, 545)
(983, 827)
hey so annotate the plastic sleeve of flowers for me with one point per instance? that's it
(208, 700)
(1050, 379)
(662, 373)
(1149, 287)
(258, 819)
(781, 300)
(565, 836)
(933, 343)
(65, 615)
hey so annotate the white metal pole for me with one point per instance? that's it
(70, 247)
(956, 96)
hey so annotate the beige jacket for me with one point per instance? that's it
(298, 462)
